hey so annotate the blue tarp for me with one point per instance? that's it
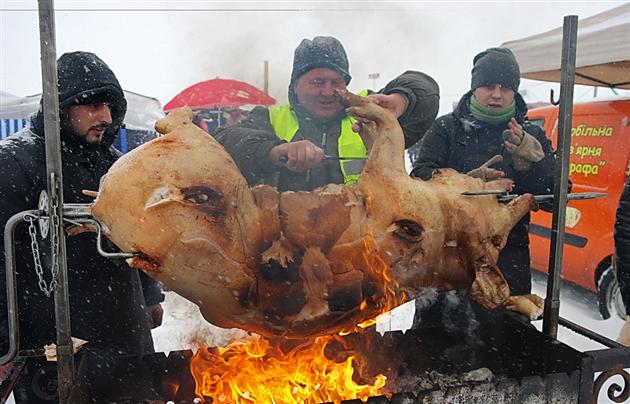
(142, 113)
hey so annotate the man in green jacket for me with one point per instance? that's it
(285, 145)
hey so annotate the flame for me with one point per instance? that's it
(389, 295)
(259, 371)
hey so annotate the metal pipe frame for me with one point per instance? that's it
(50, 98)
(9, 263)
(567, 66)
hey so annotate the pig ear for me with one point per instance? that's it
(163, 195)
(489, 288)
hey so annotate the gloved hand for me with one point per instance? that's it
(485, 172)
(525, 148)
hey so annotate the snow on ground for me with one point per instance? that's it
(580, 307)
(183, 327)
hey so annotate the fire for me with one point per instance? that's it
(259, 371)
(389, 296)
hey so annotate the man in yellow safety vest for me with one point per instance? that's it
(285, 146)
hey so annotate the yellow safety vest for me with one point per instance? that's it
(286, 124)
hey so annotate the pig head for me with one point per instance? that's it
(300, 264)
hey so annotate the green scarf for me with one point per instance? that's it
(491, 116)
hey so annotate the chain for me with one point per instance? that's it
(54, 239)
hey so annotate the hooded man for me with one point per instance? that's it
(285, 146)
(488, 128)
(107, 305)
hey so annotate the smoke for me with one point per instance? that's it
(235, 44)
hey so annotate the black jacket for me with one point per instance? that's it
(107, 304)
(457, 140)
(622, 244)
(249, 142)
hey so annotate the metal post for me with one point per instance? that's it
(50, 96)
(567, 68)
(266, 77)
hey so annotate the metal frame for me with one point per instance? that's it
(567, 66)
(50, 97)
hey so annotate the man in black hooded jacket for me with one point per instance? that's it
(108, 307)
(488, 128)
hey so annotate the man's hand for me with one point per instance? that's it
(296, 156)
(505, 184)
(155, 314)
(525, 148)
(485, 172)
(396, 103)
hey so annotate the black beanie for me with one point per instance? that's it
(495, 66)
(322, 51)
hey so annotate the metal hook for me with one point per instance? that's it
(551, 99)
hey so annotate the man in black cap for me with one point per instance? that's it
(488, 128)
(111, 307)
(285, 145)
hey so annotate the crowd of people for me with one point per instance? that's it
(487, 136)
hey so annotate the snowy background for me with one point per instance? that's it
(157, 48)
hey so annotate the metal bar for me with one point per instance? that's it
(12, 373)
(9, 264)
(50, 97)
(552, 302)
(589, 334)
(585, 392)
(610, 358)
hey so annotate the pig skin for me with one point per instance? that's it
(301, 264)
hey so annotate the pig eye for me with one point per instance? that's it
(201, 195)
(197, 198)
(408, 230)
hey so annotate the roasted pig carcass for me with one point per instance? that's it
(300, 264)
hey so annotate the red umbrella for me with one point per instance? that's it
(219, 93)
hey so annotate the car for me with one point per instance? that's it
(599, 162)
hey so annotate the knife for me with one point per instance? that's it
(504, 196)
(284, 159)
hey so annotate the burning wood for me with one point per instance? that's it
(300, 264)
